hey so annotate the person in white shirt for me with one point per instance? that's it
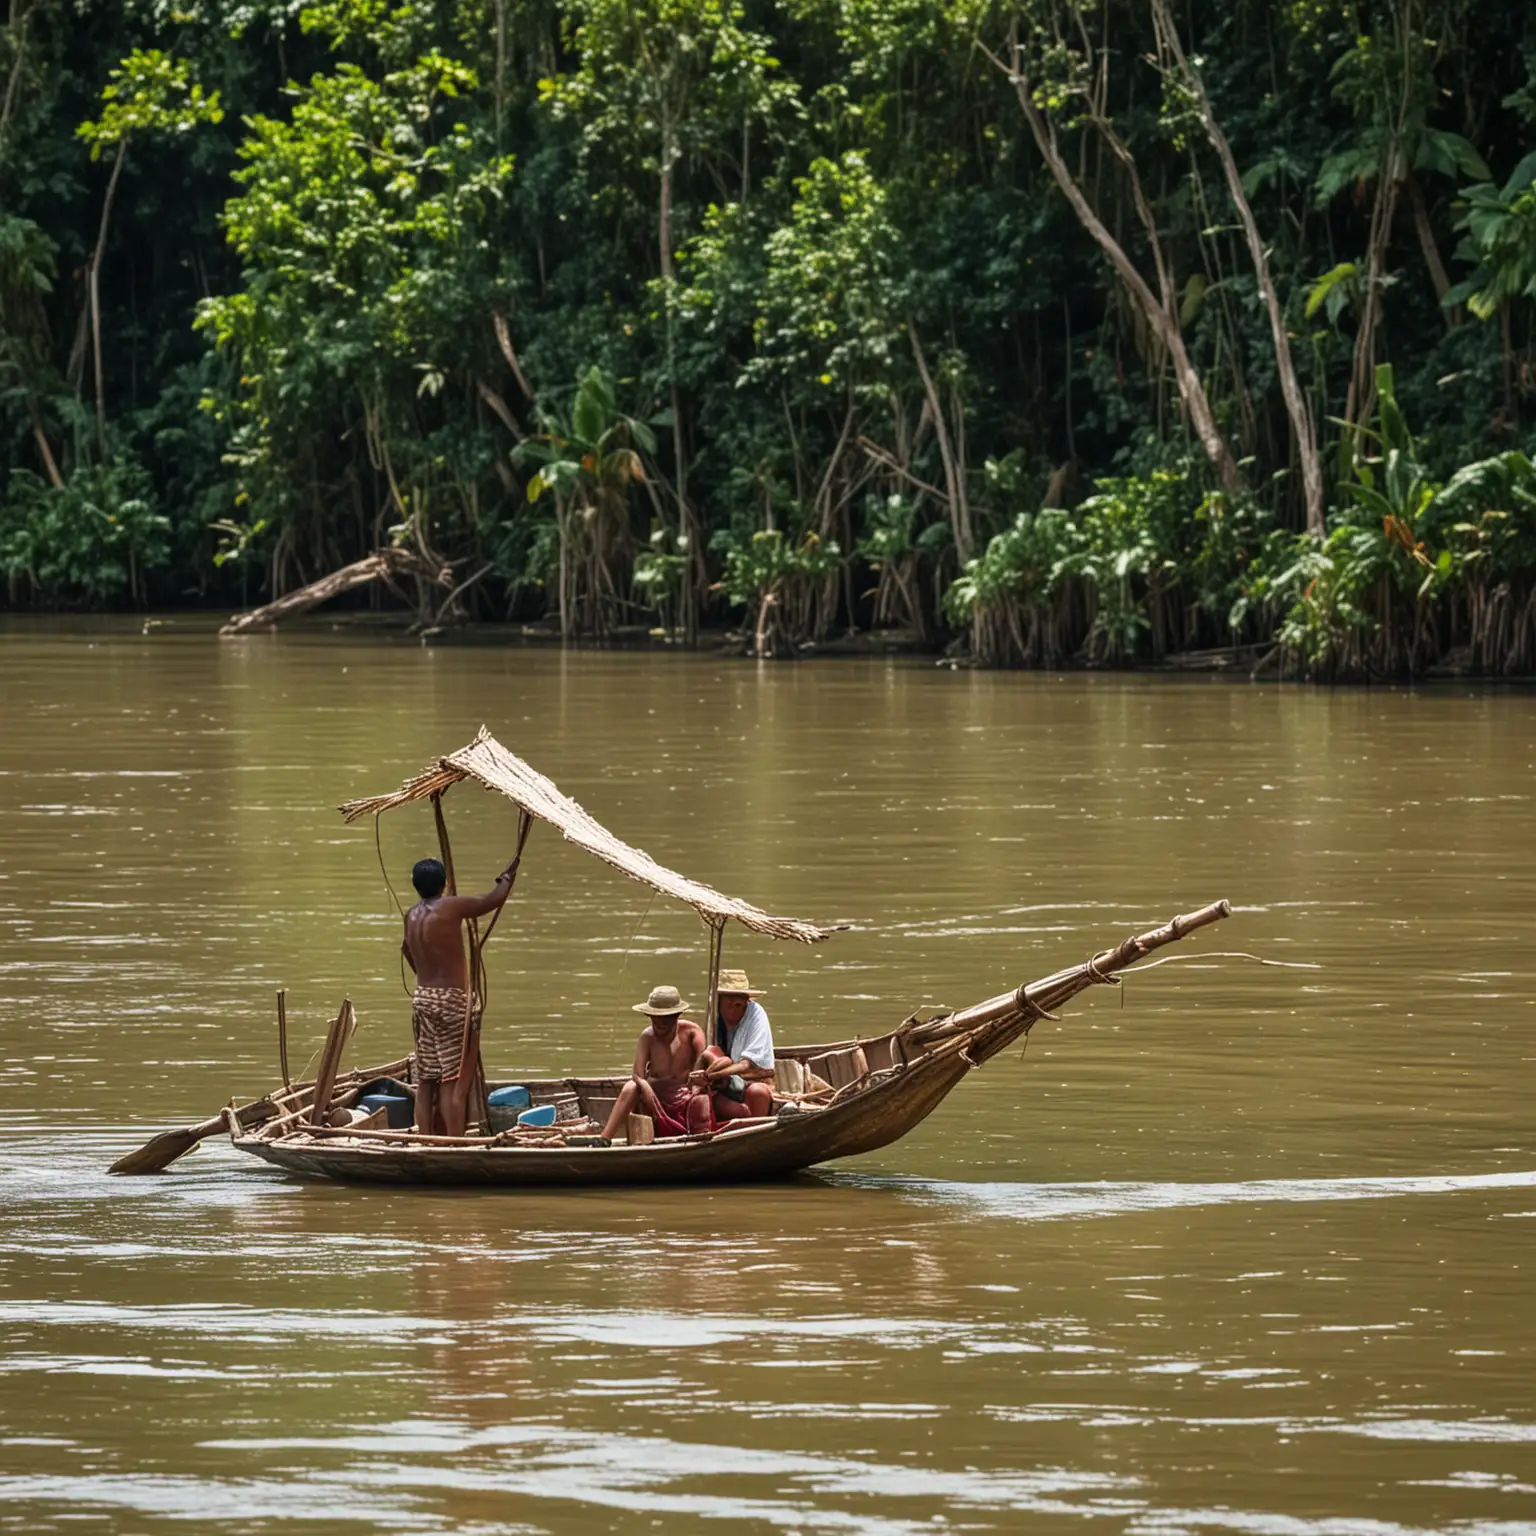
(743, 1050)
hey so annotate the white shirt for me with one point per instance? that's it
(752, 1039)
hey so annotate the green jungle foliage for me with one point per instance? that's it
(1060, 331)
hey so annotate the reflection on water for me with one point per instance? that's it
(1242, 1250)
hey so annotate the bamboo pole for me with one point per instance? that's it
(161, 1150)
(716, 946)
(535, 1136)
(330, 1060)
(302, 1103)
(282, 1035)
(1036, 998)
(469, 1058)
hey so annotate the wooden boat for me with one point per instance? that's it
(832, 1100)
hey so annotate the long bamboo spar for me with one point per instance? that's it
(1034, 997)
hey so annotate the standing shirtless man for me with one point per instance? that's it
(442, 1008)
(665, 1055)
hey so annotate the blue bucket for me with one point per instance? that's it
(506, 1105)
(540, 1114)
(400, 1110)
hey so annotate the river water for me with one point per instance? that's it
(1240, 1248)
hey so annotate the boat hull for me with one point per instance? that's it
(863, 1123)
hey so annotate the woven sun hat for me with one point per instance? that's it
(735, 984)
(661, 1002)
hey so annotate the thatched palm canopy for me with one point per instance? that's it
(491, 765)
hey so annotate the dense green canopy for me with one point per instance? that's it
(1070, 329)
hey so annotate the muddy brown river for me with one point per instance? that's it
(1241, 1248)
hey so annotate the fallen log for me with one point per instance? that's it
(379, 566)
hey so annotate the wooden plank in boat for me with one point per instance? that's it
(788, 1075)
(599, 1107)
(840, 1068)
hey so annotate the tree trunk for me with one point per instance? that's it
(1391, 172)
(824, 506)
(1302, 425)
(44, 449)
(375, 567)
(95, 294)
(954, 473)
(501, 66)
(1436, 267)
(1362, 388)
(562, 521)
(1163, 321)
(698, 571)
(19, 26)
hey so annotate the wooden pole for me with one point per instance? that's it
(716, 945)
(477, 1100)
(524, 827)
(446, 850)
(282, 1034)
(1035, 996)
(330, 1061)
(479, 1090)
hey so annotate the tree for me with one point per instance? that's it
(1303, 427)
(587, 465)
(363, 225)
(147, 93)
(661, 80)
(1057, 80)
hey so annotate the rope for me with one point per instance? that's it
(479, 984)
(1102, 977)
(1233, 954)
(378, 848)
(1028, 1005)
(613, 1028)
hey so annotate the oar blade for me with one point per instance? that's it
(159, 1152)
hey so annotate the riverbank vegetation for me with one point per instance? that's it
(1065, 331)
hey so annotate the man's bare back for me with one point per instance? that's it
(434, 933)
(444, 1013)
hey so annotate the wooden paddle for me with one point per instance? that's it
(159, 1152)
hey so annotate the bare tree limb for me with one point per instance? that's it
(501, 408)
(1163, 320)
(883, 456)
(381, 565)
(954, 473)
(1303, 427)
(504, 341)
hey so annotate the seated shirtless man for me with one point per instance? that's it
(442, 1009)
(743, 1049)
(668, 1049)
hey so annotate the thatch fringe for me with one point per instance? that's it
(490, 764)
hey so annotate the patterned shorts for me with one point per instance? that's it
(437, 1022)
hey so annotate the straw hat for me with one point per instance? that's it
(734, 984)
(661, 1002)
